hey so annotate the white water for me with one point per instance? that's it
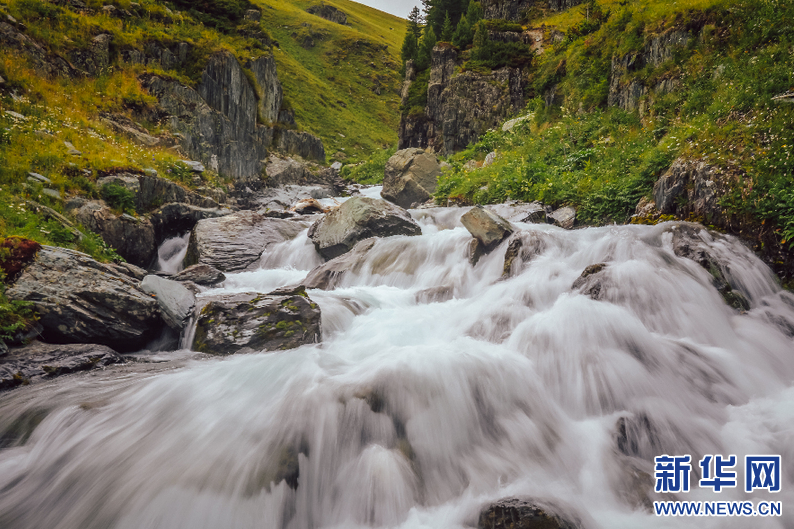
(512, 387)
(171, 253)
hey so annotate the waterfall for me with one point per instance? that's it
(438, 387)
(171, 253)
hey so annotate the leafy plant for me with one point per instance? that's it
(118, 197)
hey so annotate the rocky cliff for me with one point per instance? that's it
(460, 106)
(517, 10)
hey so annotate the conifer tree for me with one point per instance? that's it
(426, 49)
(474, 14)
(415, 23)
(447, 30)
(463, 35)
(410, 47)
(480, 50)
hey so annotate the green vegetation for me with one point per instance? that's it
(370, 171)
(603, 160)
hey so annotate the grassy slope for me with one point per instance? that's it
(603, 160)
(330, 86)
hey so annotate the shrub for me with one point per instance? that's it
(118, 197)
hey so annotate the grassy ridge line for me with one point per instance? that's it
(330, 86)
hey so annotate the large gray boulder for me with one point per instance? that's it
(40, 361)
(236, 242)
(516, 513)
(487, 227)
(328, 275)
(356, 219)
(282, 319)
(515, 211)
(175, 299)
(410, 177)
(133, 238)
(688, 188)
(200, 274)
(564, 217)
(80, 300)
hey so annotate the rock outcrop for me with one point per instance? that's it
(237, 241)
(133, 238)
(157, 54)
(39, 361)
(329, 13)
(689, 188)
(516, 513)
(300, 144)
(410, 178)
(629, 92)
(488, 228)
(283, 319)
(268, 87)
(80, 300)
(461, 107)
(44, 62)
(176, 301)
(517, 10)
(357, 219)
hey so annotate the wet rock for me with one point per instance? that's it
(201, 274)
(515, 211)
(521, 249)
(178, 218)
(410, 177)
(38, 361)
(329, 13)
(435, 294)
(283, 319)
(356, 219)
(308, 206)
(474, 250)
(487, 227)
(590, 282)
(328, 275)
(688, 242)
(133, 239)
(515, 513)
(237, 241)
(564, 217)
(688, 188)
(80, 300)
(176, 301)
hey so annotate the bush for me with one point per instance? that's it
(370, 171)
(118, 197)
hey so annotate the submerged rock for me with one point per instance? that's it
(328, 275)
(36, 361)
(410, 178)
(591, 281)
(487, 227)
(175, 299)
(200, 274)
(80, 300)
(237, 241)
(283, 319)
(521, 249)
(357, 219)
(515, 513)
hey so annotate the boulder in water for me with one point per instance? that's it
(515, 513)
(201, 274)
(283, 319)
(175, 299)
(514, 211)
(487, 227)
(237, 241)
(591, 281)
(357, 219)
(521, 249)
(80, 300)
(308, 206)
(328, 275)
(410, 177)
(36, 361)
(564, 217)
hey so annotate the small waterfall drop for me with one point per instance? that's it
(438, 387)
(171, 254)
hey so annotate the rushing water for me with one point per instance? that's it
(171, 253)
(416, 414)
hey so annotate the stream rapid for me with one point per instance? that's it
(416, 411)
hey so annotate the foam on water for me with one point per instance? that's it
(415, 414)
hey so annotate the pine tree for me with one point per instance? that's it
(447, 30)
(480, 51)
(426, 49)
(415, 23)
(463, 35)
(474, 14)
(410, 47)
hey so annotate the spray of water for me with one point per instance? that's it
(417, 410)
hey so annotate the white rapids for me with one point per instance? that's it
(417, 414)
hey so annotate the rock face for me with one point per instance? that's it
(269, 87)
(175, 300)
(157, 54)
(488, 228)
(237, 241)
(626, 90)
(410, 177)
(688, 188)
(200, 274)
(328, 275)
(301, 144)
(357, 219)
(123, 125)
(461, 107)
(42, 61)
(688, 242)
(96, 58)
(329, 13)
(82, 301)
(132, 238)
(283, 319)
(499, 9)
(515, 513)
(38, 361)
